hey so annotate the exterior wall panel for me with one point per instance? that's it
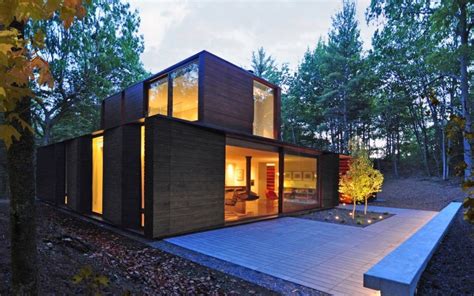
(328, 172)
(133, 103)
(227, 95)
(122, 176)
(45, 174)
(79, 174)
(184, 174)
(112, 111)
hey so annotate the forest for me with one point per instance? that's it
(407, 98)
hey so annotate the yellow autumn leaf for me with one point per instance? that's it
(8, 133)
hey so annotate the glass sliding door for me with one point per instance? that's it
(251, 183)
(300, 183)
(97, 173)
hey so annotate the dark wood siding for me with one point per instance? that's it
(133, 103)
(45, 174)
(184, 171)
(122, 176)
(79, 174)
(226, 95)
(112, 111)
(328, 172)
(59, 164)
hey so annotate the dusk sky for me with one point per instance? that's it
(174, 30)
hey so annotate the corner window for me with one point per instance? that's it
(263, 116)
(185, 92)
(158, 97)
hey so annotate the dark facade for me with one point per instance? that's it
(193, 147)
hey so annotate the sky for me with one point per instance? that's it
(175, 30)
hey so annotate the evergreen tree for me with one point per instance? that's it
(341, 69)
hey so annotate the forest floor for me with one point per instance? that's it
(67, 245)
(451, 269)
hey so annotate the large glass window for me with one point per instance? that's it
(263, 116)
(97, 173)
(251, 183)
(158, 97)
(185, 92)
(300, 179)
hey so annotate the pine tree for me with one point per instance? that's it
(341, 68)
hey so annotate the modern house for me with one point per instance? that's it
(194, 147)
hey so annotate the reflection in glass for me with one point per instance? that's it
(158, 97)
(97, 173)
(263, 116)
(300, 179)
(251, 183)
(185, 92)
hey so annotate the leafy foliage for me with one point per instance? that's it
(92, 282)
(18, 65)
(361, 180)
(88, 62)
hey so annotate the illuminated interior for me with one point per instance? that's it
(263, 116)
(158, 97)
(97, 173)
(142, 165)
(254, 197)
(300, 179)
(185, 92)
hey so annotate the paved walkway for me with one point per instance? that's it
(327, 257)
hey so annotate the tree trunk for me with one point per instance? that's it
(463, 64)
(365, 206)
(354, 207)
(22, 207)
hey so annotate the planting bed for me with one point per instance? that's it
(344, 217)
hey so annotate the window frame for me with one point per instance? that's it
(276, 106)
(169, 74)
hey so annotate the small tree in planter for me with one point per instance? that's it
(361, 180)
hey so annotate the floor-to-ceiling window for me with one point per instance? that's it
(185, 92)
(251, 183)
(263, 116)
(158, 97)
(97, 173)
(300, 182)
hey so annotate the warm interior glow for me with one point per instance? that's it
(142, 163)
(97, 173)
(185, 92)
(300, 179)
(263, 178)
(263, 116)
(158, 97)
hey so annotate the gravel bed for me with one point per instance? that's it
(344, 217)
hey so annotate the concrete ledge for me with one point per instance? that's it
(399, 272)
